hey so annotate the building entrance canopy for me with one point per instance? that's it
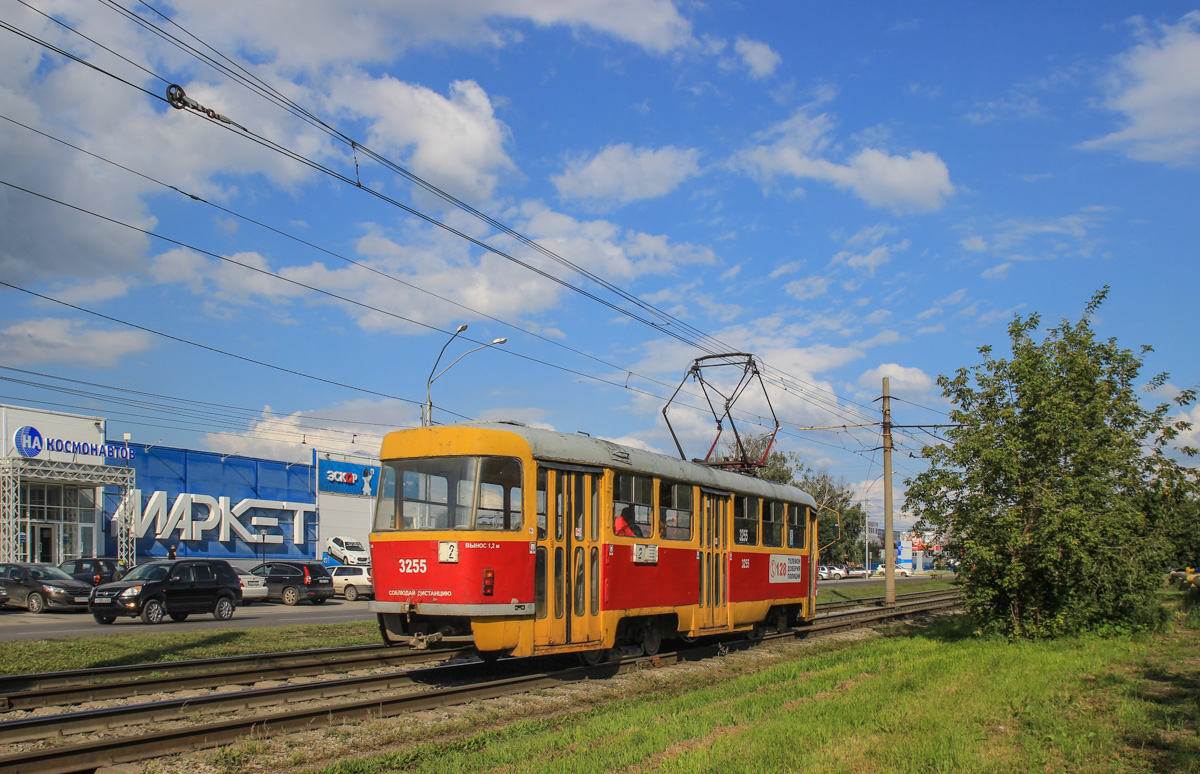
(14, 471)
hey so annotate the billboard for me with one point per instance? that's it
(349, 478)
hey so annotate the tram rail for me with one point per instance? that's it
(355, 702)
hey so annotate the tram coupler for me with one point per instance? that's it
(422, 641)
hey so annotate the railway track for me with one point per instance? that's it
(337, 700)
(26, 692)
(31, 691)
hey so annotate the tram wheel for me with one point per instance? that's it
(781, 620)
(593, 657)
(651, 636)
(489, 656)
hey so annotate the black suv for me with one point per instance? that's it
(94, 570)
(175, 588)
(291, 582)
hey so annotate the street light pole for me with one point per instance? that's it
(428, 420)
(427, 409)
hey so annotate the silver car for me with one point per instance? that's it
(352, 582)
(254, 588)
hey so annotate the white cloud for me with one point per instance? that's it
(758, 57)
(354, 429)
(1156, 88)
(312, 36)
(437, 274)
(798, 146)
(55, 340)
(805, 289)
(880, 339)
(869, 261)
(998, 272)
(1043, 238)
(901, 379)
(455, 142)
(624, 174)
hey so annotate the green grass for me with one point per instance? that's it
(933, 700)
(155, 645)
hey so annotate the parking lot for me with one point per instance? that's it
(17, 624)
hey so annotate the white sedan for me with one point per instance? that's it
(347, 551)
(901, 572)
(254, 588)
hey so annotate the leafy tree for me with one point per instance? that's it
(1056, 492)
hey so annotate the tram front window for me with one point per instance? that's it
(440, 493)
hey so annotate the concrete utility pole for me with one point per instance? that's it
(889, 538)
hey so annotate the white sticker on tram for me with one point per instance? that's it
(785, 569)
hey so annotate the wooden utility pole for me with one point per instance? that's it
(889, 538)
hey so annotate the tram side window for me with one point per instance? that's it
(541, 503)
(773, 514)
(797, 525)
(745, 520)
(675, 510)
(634, 494)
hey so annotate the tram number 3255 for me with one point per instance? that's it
(411, 565)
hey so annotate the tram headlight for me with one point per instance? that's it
(489, 582)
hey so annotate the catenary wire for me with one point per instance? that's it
(248, 79)
(836, 408)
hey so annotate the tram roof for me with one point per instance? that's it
(553, 446)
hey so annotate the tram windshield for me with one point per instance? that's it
(440, 493)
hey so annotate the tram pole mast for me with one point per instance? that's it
(889, 538)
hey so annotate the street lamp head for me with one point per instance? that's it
(499, 341)
(461, 328)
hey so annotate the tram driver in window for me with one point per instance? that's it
(624, 525)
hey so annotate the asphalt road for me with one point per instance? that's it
(17, 624)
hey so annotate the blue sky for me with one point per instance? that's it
(846, 191)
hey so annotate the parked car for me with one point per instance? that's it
(94, 570)
(353, 582)
(835, 572)
(855, 572)
(254, 588)
(823, 573)
(37, 587)
(3, 596)
(347, 551)
(290, 582)
(901, 572)
(175, 588)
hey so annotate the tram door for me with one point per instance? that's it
(569, 560)
(714, 550)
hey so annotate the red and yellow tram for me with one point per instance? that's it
(539, 542)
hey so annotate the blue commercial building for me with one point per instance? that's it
(217, 505)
